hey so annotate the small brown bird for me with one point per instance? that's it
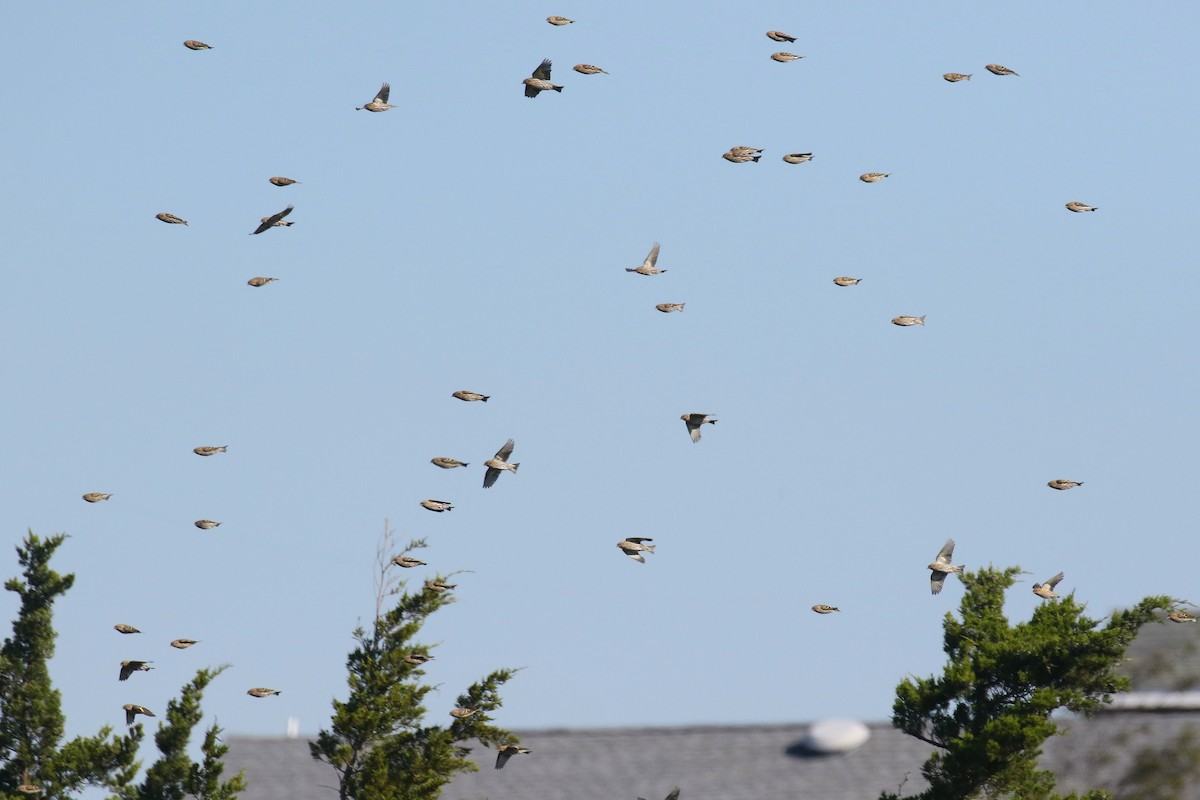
(210, 451)
(470, 397)
(133, 709)
(130, 667)
(206, 524)
(25, 787)
(540, 80)
(272, 221)
(941, 567)
(463, 713)
(260, 281)
(780, 36)
(437, 505)
(693, 423)
(783, 58)
(121, 627)
(380, 103)
(417, 659)
(996, 69)
(821, 608)
(741, 150)
(1077, 207)
(1063, 485)
(96, 497)
(905, 321)
(1181, 616)
(183, 644)
(170, 219)
(955, 77)
(282, 181)
(448, 463)
(407, 562)
(740, 158)
(873, 177)
(649, 266)
(439, 586)
(634, 548)
(845, 281)
(798, 158)
(559, 20)
(260, 691)
(507, 751)
(588, 69)
(192, 44)
(667, 308)
(499, 464)
(1046, 589)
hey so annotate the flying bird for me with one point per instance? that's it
(463, 713)
(783, 58)
(133, 709)
(183, 644)
(634, 548)
(130, 667)
(559, 20)
(667, 308)
(996, 69)
(417, 659)
(905, 321)
(260, 281)
(380, 103)
(408, 562)
(798, 158)
(1063, 485)
(192, 44)
(821, 608)
(1077, 207)
(846, 281)
(260, 691)
(507, 751)
(96, 497)
(1181, 616)
(649, 266)
(448, 463)
(275, 219)
(588, 69)
(941, 567)
(693, 423)
(121, 627)
(439, 586)
(955, 77)
(170, 219)
(499, 464)
(437, 505)
(540, 81)
(206, 524)
(210, 451)
(873, 177)
(470, 397)
(780, 36)
(735, 157)
(1046, 589)
(282, 181)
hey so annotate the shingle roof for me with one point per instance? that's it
(715, 762)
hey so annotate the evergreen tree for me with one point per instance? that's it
(378, 743)
(989, 712)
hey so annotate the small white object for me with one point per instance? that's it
(293, 727)
(835, 736)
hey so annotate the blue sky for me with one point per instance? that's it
(474, 239)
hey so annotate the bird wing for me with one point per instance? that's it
(502, 758)
(126, 670)
(636, 556)
(638, 539)
(490, 477)
(130, 713)
(946, 553)
(674, 795)
(936, 581)
(1054, 581)
(504, 452)
(384, 91)
(530, 91)
(693, 428)
(652, 259)
(543, 70)
(270, 221)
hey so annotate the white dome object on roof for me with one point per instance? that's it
(835, 736)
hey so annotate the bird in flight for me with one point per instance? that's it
(941, 567)
(133, 709)
(693, 423)
(275, 219)
(634, 548)
(507, 751)
(499, 464)
(540, 81)
(649, 266)
(1046, 589)
(130, 667)
(380, 103)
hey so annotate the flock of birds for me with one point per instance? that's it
(634, 547)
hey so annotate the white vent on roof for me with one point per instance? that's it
(835, 736)
(1154, 701)
(293, 727)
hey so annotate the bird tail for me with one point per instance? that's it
(557, 89)
(649, 548)
(630, 269)
(514, 466)
(969, 76)
(921, 320)
(485, 397)
(958, 568)
(755, 158)
(681, 306)
(711, 421)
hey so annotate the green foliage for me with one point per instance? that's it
(377, 742)
(989, 712)
(31, 722)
